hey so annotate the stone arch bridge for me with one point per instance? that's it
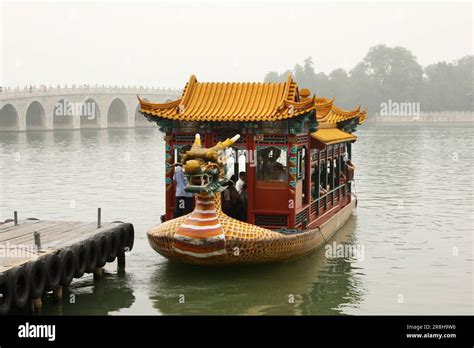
(77, 107)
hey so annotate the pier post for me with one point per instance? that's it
(121, 260)
(99, 217)
(36, 305)
(15, 217)
(58, 294)
(98, 273)
(37, 237)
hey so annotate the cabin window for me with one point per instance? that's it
(272, 163)
(337, 172)
(331, 173)
(236, 162)
(230, 162)
(315, 181)
(242, 160)
(300, 162)
(324, 174)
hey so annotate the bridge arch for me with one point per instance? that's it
(35, 116)
(90, 114)
(117, 115)
(62, 117)
(9, 118)
(140, 120)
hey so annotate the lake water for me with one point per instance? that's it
(414, 223)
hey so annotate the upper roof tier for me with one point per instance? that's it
(212, 101)
(235, 101)
(327, 112)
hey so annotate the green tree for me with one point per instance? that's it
(272, 76)
(390, 73)
(395, 73)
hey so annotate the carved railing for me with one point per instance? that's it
(43, 90)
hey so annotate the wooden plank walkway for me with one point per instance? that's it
(26, 242)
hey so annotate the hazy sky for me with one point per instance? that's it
(161, 44)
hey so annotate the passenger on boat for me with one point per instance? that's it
(279, 172)
(350, 170)
(313, 187)
(184, 200)
(232, 204)
(266, 159)
(351, 164)
(322, 191)
(342, 177)
(241, 182)
(243, 196)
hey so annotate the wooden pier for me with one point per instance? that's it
(37, 256)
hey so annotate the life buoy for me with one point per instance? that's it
(122, 234)
(68, 266)
(113, 241)
(6, 292)
(52, 263)
(20, 286)
(130, 236)
(36, 273)
(91, 255)
(103, 250)
(79, 251)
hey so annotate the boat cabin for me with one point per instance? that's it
(294, 148)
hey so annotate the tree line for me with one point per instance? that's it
(390, 74)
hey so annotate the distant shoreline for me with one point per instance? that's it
(435, 117)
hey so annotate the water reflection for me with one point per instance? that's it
(65, 139)
(107, 294)
(310, 285)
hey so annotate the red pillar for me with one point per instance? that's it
(208, 140)
(308, 173)
(169, 171)
(251, 170)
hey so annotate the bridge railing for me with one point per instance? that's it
(431, 114)
(29, 91)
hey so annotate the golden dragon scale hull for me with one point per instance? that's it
(244, 243)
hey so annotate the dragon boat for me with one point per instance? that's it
(296, 152)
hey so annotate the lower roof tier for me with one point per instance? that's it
(331, 136)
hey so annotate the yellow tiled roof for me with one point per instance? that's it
(332, 135)
(337, 115)
(362, 116)
(323, 107)
(212, 101)
(327, 112)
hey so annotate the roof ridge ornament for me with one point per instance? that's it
(189, 88)
(286, 92)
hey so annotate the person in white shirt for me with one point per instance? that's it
(241, 182)
(184, 200)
